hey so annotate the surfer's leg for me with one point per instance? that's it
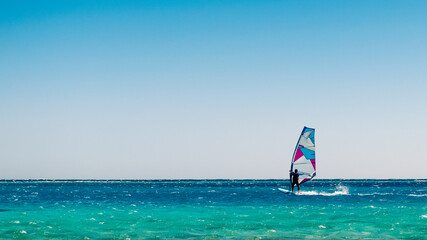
(298, 186)
(292, 187)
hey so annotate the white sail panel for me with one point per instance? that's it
(306, 142)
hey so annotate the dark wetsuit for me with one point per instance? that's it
(294, 178)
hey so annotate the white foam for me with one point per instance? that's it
(341, 190)
(424, 216)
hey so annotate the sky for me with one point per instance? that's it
(200, 89)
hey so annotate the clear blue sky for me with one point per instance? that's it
(211, 89)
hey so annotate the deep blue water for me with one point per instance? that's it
(213, 209)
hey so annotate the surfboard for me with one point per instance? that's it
(284, 191)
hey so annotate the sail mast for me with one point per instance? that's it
(292, 160)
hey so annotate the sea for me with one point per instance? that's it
(212, 209)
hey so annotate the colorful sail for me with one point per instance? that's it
(304, 159)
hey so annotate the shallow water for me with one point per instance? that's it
(213, 209)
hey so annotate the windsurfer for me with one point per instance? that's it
(294, 179)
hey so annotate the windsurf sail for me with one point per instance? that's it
(304, 158)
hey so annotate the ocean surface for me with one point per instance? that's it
(213, 209)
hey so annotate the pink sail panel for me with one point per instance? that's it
(313, 161)
(298, 154)
(304, 180)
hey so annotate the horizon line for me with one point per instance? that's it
(188, 179)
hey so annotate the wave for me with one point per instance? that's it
(375, 193)
(417, 195)
(340, 190)
(383, 194)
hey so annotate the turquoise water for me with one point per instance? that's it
(213, 209)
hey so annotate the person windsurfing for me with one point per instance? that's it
(294, 179)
